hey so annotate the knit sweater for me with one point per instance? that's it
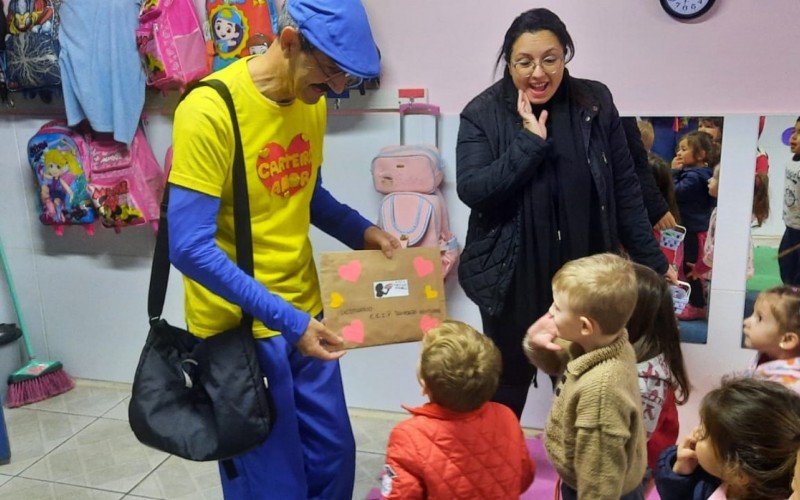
(594, 435)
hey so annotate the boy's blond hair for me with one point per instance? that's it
(601, 287)
(460, 367)
(648, 134)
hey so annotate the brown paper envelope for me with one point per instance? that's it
(371, 300)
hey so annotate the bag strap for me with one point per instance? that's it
(159, 274)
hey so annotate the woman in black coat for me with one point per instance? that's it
(543, 164)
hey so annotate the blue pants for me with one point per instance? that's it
(789, 264)
(311, 451)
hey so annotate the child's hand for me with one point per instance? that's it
(541, 334)
(686, 461)
(677, 163)
(666, 222)
(671, 274)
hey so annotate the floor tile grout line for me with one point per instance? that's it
(96, 419)
(379, 453)
(59, 445)
(130, 492)
(68, 413)
(117, 404)
(69, 484)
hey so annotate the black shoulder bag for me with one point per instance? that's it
(202, 399)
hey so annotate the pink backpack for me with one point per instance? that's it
(125, 182)
(414, 209)
(171, 43)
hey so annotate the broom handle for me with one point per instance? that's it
(15, 300)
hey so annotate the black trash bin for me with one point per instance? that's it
(10, 355)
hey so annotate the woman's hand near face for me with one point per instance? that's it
(529, 120)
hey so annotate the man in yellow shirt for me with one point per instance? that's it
(321, 45)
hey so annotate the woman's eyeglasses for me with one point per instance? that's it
(525, 66)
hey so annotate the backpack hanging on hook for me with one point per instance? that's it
(414, 209)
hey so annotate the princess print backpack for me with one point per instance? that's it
(171, 43)
(414, 209)
(58, 156)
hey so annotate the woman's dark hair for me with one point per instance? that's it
(761, 198)
(663, 175)
(653, 329)
(754, 427)
(532, 21)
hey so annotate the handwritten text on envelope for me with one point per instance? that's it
(371, 300)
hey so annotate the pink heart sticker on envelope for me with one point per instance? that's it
(354, 332)
(350, 271)
(428, 322)
(423, 266)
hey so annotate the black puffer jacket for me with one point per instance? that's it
(496, 157)
(654, 202)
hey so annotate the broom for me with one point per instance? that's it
(37, 380)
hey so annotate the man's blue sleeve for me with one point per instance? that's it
(192, 224)
(337, 219)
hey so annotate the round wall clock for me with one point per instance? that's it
(686, 9)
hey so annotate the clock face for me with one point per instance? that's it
(686, 9)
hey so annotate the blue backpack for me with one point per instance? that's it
(32, 47)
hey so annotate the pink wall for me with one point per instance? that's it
(742, 57)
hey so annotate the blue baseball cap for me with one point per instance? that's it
(340, 29)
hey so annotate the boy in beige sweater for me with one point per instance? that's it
(594, 434)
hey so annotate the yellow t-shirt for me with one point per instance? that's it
(282, 155)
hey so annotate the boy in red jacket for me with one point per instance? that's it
(459, 445)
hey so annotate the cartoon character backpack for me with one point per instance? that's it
(32, 47)
(171, 43)
(239, 28)
(125, 182)
(414, 209)
(3, 79)
(58, 156)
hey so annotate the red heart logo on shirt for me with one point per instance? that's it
(285, 171)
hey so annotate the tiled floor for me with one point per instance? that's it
(79, 445)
